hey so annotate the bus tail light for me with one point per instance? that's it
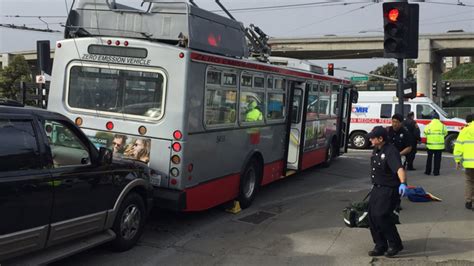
(142, 130)
(190, 167)
(174, 172)
(177, 135)
(109, 42)
(117, 42)
(125, 43)
(109, 125)
(59, 45)
(175, 159)
(174, 181)
(78, 121)
(176, 147)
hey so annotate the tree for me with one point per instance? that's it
(18, 70)
(390, 70)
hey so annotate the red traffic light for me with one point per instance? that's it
(393, 15)
(331, 69)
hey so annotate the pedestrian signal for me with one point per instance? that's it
(400, 24)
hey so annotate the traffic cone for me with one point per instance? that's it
(235, 208)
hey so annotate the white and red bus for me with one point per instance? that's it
(214, 125)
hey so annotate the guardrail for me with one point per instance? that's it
(460, 112)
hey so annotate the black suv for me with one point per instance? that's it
(56, 186)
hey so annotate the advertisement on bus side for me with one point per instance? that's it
(122, 146)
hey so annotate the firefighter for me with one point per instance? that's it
(389, 182)
(464, 154)
(435, 132)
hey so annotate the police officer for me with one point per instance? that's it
(399, 136)
(412, 127)
(435, 132)
(389, 182)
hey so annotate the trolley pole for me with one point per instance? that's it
(400, 86)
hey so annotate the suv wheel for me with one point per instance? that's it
(129, 222)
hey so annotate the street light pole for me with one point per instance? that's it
(400, 85)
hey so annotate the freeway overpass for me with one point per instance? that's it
(432, 48)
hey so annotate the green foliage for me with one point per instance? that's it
(463, 71)
(18, 70)
(390, 70)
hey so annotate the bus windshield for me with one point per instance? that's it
(120, 91)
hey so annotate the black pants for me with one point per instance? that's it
(411, 157)
(437, 161)
(381, 204)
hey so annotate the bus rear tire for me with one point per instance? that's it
(359, 140)
(449, 142)
(249, 183)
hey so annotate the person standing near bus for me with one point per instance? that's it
(399, 136)
(389, 182)
(253, 114)
(435, 132)
(412, 127)
(464, 154)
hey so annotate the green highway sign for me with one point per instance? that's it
(360, 78)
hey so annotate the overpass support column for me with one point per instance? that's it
(428, 68)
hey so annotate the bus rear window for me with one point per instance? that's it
(125, 92)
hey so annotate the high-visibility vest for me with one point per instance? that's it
(253, 115)
(435, 132)
(464, 147)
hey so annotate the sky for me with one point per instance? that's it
(305, 18)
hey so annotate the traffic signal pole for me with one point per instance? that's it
(400, 85)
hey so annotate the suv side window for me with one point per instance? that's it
(19, 148)
(66, 148)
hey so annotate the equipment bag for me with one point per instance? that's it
(356, 214)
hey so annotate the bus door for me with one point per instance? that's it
(295, 142)
(347, 96)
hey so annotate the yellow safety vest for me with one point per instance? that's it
(464, 147)
(253, 115)
(435, 132)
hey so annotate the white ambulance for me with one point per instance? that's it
(377, 107)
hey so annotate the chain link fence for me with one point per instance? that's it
(460, 112)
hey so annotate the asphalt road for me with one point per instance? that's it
(298, 221)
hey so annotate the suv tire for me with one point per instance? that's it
(129, 222)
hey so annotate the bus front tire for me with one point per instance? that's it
(330, 154)
(249, 182)
(359, 140)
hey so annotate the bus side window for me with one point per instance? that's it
(386, 110)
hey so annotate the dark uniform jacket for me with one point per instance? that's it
(401, 138)
(410, 125)
(385, 164)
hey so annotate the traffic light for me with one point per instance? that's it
(447, 88)
(400, 26)
(331, 69)
(434, 89)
